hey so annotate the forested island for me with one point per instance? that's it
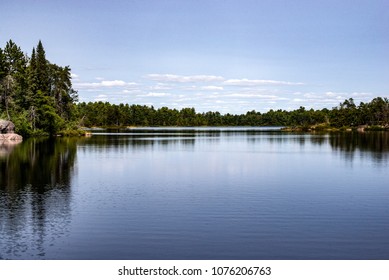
(38, 97)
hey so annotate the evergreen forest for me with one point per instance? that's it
(38, 97)
(35, 94)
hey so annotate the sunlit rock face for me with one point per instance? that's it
(6, 127)
(7, 132)
(10, 137)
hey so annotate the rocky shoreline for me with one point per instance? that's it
(7, 132)
(10, 137)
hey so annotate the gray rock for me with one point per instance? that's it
(6, 127)
(10, 137)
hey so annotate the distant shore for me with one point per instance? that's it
(328, 128)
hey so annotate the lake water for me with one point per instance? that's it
(221, 193)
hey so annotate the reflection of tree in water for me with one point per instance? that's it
(35, 196)
(139, 141)
(374, 144)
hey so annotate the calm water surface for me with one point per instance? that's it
(221, 193)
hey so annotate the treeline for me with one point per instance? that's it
(38, 97)
(347, 114)
(35, 94)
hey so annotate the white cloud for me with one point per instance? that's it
(161, 86)
(251, 95)
(156, 94)
(103, 84)
(356, 94)
(336, 97)
(330, 94)
(212, 92)
(361, 94)
(310, 95)
(212, 88)
(101, 97)
(329, 99)
(184, 79)
(247, 82)
(214, 78)
(115, 83)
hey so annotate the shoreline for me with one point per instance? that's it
(328, 128)
(10, 138)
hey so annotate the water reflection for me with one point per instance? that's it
(37, 207)
(7, 147)
(369, 144)
(35, 195)
(375, 143)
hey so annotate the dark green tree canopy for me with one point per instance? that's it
(35, 93)
(42, 69)
(347, 114)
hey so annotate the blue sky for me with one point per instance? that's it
(218, 55)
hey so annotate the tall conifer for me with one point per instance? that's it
(32, 74)
(2, 64)
(42, 73)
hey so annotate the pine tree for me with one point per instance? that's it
(32, 73)
(42, 70)
(14, 58)
(2, 76)
(15, 64)
(2, 65)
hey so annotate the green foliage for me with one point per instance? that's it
(22, 124)
(51, 122)
(34, 93)
(42, 69)
(347, 115)
(3, 70)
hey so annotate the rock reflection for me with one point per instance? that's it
(7, 147)
(35, 196)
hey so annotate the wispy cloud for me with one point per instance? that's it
(349, 95)
(101, 97)
(155, 94)
(256, 95)
(213, 78)
(247, 82)
(160, 86)
(74, 77)
(212, 88)
(214, 93)
(329, 99)
(184, 79)
(103, 84)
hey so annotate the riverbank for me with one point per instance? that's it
(323, 127)
(62, 133)
(329, 128)
(10, 137)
